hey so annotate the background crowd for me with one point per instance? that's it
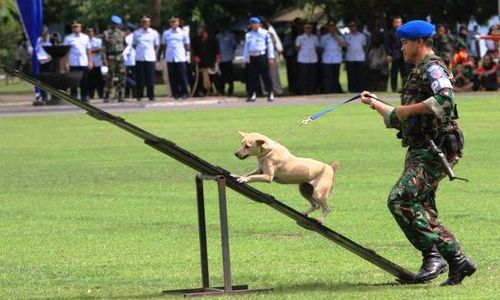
(196, 60)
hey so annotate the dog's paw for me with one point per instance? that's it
(242, 179)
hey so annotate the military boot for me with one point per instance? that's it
(432, 265)
(460, 267)
(120, 96)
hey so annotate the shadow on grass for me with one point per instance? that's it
(283, 289)
(343, 286)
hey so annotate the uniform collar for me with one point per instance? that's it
(426, 58)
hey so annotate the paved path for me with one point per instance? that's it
(12, 105)
(24, 107)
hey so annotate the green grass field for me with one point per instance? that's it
(89, 211)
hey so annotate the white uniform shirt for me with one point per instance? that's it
(175, 41)
(96, 43)
(129, 52)
(307, 53)
(332, 51)
(258, 43)
(355, 44)
(78, 52)
(42, 55)
(144, 42)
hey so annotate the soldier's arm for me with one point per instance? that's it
(386, 111)
(442, 101)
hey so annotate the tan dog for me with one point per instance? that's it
(275, 163)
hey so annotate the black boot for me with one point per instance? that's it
(432, 265)
(460, 267)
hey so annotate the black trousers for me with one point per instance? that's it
(96, 82)
(227, 77)
(84, 83)
(44, 68)
(130, 81)
(331, 73)
(291, 74)
(145, 77)
(259, 66)
(355, 76)
(177, 76)
(307, 78)
(398, 66)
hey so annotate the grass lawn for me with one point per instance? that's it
(89, 211)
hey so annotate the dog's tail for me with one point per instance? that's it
(335, 166)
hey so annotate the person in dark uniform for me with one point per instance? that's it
(394, 54)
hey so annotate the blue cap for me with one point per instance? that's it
(415, 30)
(116, 20)
(254, 20)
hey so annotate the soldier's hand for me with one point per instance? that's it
(271, 62)
(365, 97)
(91, 65)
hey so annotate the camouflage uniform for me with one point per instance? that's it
(114, 40)
(412, 199)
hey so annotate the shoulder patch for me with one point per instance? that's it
(438, 78)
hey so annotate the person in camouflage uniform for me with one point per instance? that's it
(443, 44)
(428, 112)
(114, 42)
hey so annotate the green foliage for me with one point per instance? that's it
(10, 31)
(375, 13)
(89, 211)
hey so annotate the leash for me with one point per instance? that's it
(325, 111)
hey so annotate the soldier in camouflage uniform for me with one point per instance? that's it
(428, 112)
(443, 44)
(114, 42)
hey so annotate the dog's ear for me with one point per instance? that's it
(243, 134)
(262, 144)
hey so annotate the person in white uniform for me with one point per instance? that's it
(79, 58)
(307, 58)
(331, 59)
(355, 58)
(129, 61)
(96, 81)
(146, 41)
(177, 44)
(44, 59)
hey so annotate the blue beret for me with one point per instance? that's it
(415, 30)
(254, 20)
(116, 19)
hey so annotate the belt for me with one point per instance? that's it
(257, 53)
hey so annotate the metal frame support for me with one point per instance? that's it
(228, 287)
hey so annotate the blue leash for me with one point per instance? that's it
(325, 111)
